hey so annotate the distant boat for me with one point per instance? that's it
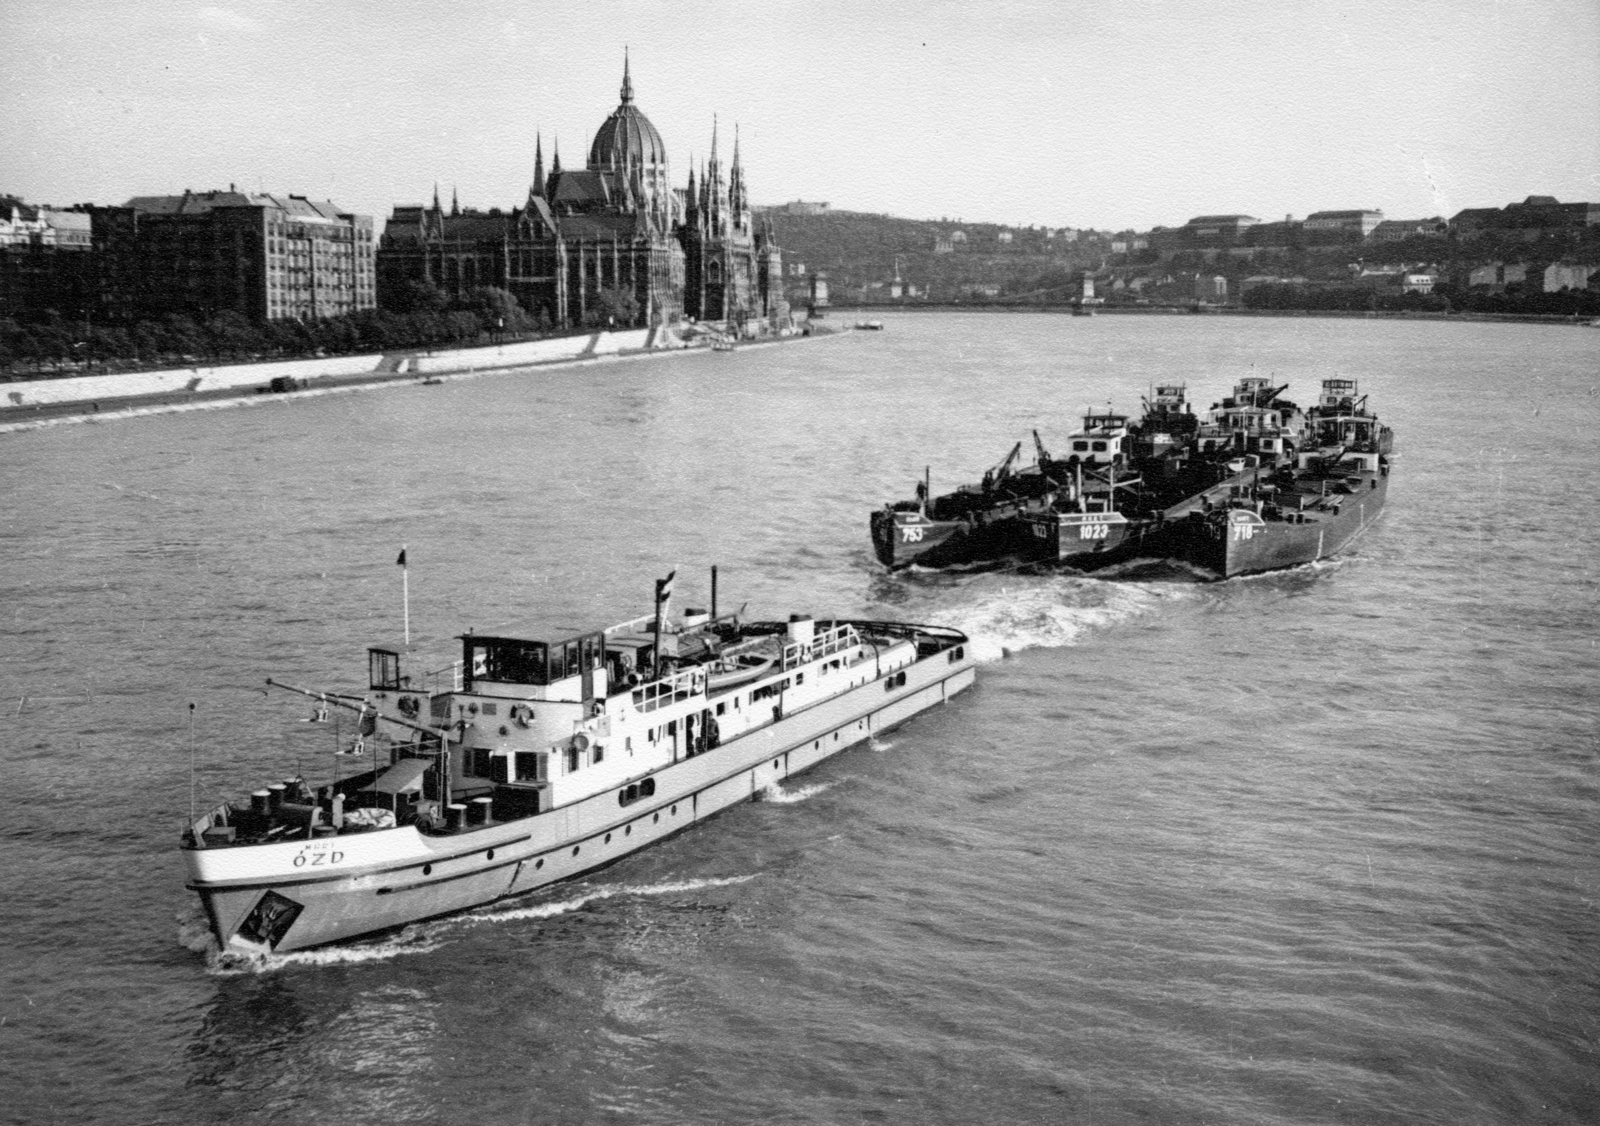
(871, 326)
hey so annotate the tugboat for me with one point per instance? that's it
(1309, 508)
(530, 761)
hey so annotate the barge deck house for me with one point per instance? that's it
(529, 762)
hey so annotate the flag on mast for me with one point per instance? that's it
(405, 592)
(663, 606)
(664, 594)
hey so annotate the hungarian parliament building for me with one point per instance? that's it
(585, 239)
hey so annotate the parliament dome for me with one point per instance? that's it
(627, 137)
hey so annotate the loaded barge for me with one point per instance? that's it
(527, 762)
(1256, 485)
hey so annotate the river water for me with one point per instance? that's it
(1313, 847)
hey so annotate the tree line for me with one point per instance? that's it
(1445, 298)
(419, 316)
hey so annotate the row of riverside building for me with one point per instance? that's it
(1534, 217)
(581, 239)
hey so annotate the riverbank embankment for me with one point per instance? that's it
(1064, 309)
(28, 404)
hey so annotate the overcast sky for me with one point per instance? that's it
(1089, 114)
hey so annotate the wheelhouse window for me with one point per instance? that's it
(506, 660)
(383, 669)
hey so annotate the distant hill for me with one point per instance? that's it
(944, 260)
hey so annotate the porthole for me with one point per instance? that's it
(774, 764)
(674, 811)
(539, 863)
(608, 838)
(427, 869)
(657, 819)
(575, 850)
(627, 831)
(489, 855)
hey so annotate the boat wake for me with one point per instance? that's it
(775, 793)
(1007, 614)
(235, 963)
(880, 745)
(550, 909)
(422, 938)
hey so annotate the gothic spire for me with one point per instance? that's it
(538, 168)
(455, 201)
(436, 195)
(627, 81)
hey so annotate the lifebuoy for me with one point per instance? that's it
(581, 741)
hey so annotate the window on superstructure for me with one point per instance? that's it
(599, 754)
(572, 759)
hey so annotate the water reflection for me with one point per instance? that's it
(301, 1044)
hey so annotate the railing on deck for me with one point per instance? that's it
(824, 644)
(448, 679)
(674, 686)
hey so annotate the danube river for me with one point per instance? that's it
(1315, 847)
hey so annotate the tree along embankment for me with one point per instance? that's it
(94, 393)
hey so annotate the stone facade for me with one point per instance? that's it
(611, 240)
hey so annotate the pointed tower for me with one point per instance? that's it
(738, 206)
(536, 189)
(433, 218)
(455, 201)
(715, 205)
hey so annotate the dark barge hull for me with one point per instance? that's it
(1093, 541)
(1241, 543)
(905, 539)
